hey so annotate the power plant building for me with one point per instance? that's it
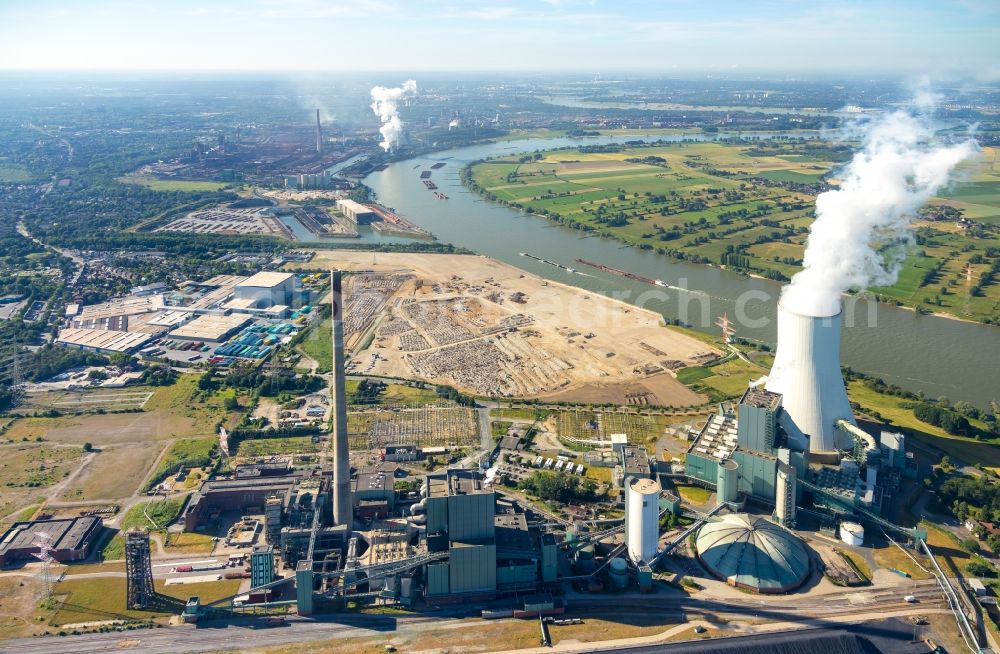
(489, 550)
(739, 444)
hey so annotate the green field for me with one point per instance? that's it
(273, 446)
(91, 600)
(318, 345)
(748, 207)
(892, 409)
(172, 184)
(14, 174)
(160, 514)
(187, 452)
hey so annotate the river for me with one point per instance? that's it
(938, 356)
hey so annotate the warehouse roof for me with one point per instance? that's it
(751, 552)
(267, 279)
(64, 534)
(211, 327)
(102, 339)
(356, 207)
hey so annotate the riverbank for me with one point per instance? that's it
(745, 207)
(919, 353)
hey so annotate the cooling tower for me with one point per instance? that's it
(342, 510)
(806, 372)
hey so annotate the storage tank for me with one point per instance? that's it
(727, 481)
(642, 518)
(806, 371)
(852, 533)
(618, 572)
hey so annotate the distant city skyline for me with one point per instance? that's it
(941, 38)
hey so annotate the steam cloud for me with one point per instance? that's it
(385, 104)
(862, 228)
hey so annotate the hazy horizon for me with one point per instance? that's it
(944, 39)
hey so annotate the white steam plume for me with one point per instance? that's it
(862, 228)
(385, 104)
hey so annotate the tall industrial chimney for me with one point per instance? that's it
(806, 372)
(319, 134)
(342, 512)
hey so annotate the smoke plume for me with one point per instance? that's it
(385, 104)
(862, 228)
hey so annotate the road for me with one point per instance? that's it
(817, 611)
(22, 229)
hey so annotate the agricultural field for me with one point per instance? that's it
(749, 207)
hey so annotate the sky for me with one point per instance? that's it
(849, 36)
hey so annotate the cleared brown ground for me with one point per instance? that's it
(575, 343)
(661, 389)
(105, 430)
(114, 473)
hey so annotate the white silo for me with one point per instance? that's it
(642, 518)
(806, 372)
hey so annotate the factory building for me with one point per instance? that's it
(373, 495)
(71, 539)
(267, 289)
(212, 329)
(633, 461)
(753, 554)
(356, 212)
(103, 340)
(261, 565)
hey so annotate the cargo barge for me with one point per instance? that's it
(546, 261)
(622, 273)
